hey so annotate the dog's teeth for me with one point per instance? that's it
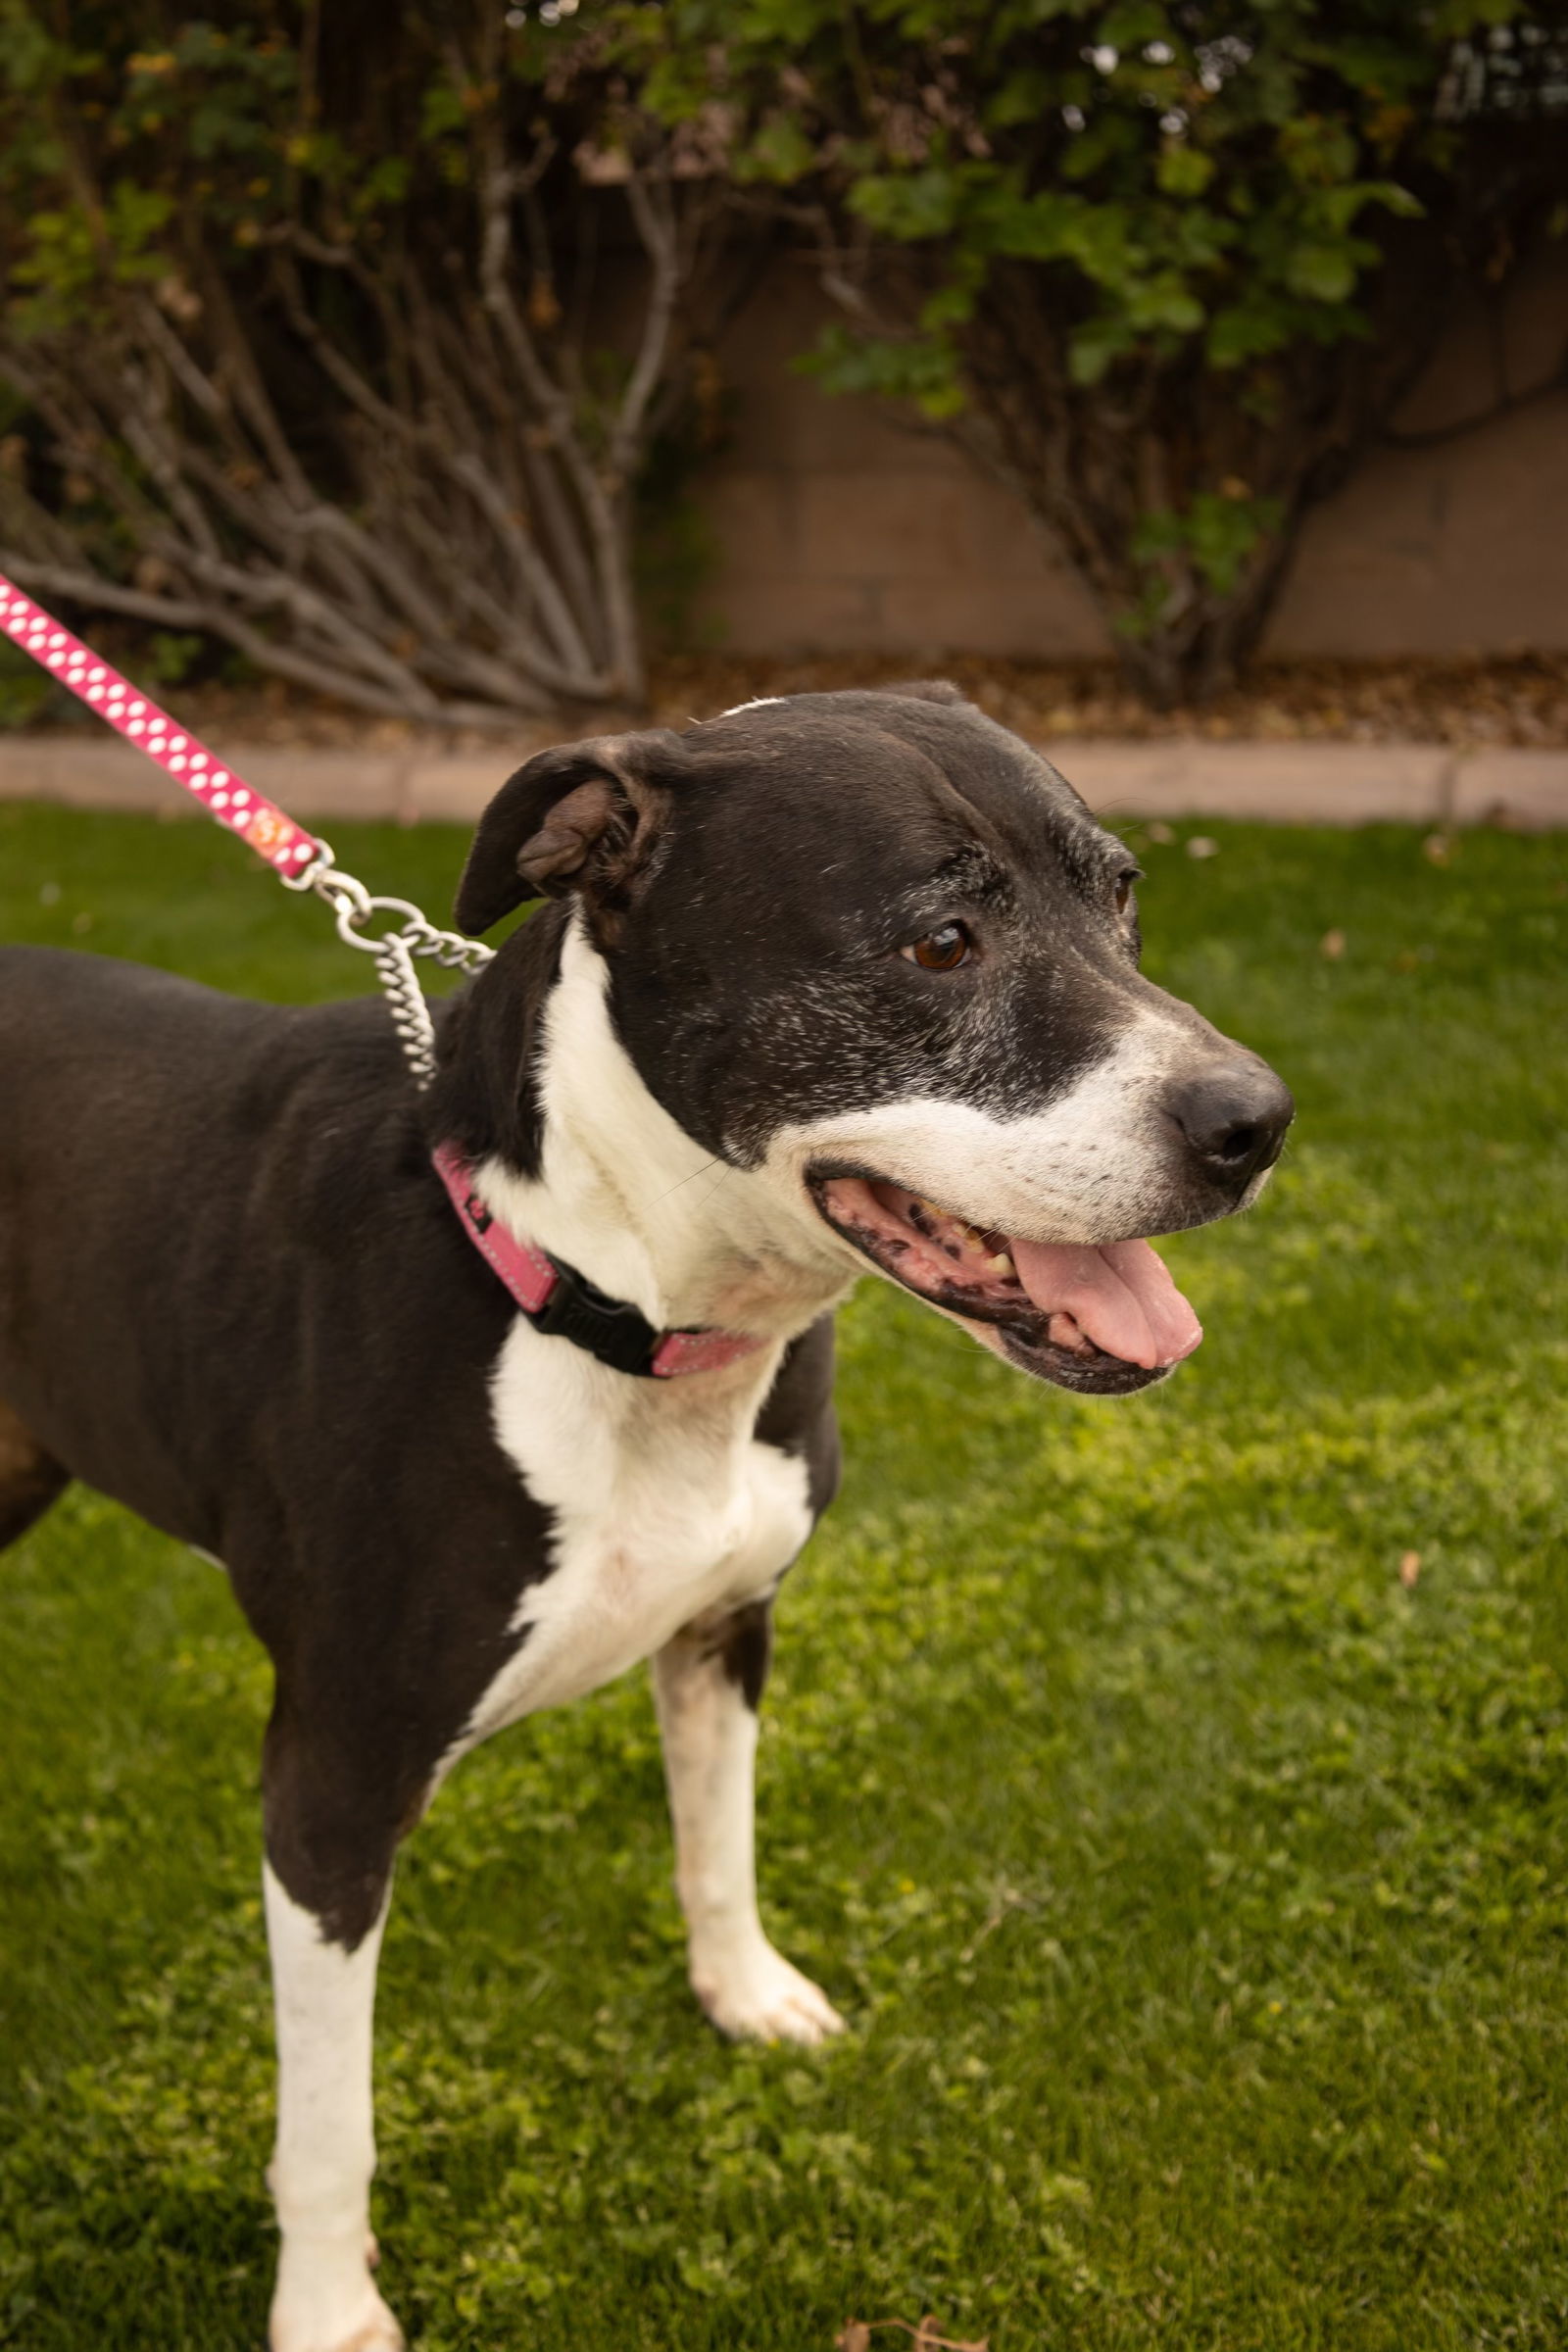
(949, 1229)
(1001, 1264)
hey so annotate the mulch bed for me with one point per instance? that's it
(1518, 699)
(1521, 700)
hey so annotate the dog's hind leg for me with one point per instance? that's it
(708, 1682)
(30, 1477)
(326, 1880)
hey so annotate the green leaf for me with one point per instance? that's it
(1039, 228)
(385, 183)
(1322, 272)
(442, 112)
(1338, 207)
(789, 24)
(780, 153)
(1164, 302)
(1247, 330)
(1110, 135)
(1317, 151)
(950, 305)
(1128, 23)
(1023, 97)
(1184, 171)
(925, 369)
(909, 205)
(1216, 532)
(1094, 347)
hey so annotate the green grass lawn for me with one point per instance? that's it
(1198, 1888)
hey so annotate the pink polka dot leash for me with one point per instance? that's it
(303, 860)
(132, 713)
(556, 1299)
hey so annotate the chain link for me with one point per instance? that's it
(394, 947)
(411, 1015)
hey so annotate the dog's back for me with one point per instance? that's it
(146, 1121)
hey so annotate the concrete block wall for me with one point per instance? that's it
(842, 526)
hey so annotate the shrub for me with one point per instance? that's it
(1167, 268)
(333, 333)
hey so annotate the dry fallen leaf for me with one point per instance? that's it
(856, 2337)
(1409, 1569)
(543, 310)
(1332, 946)
(1200, 846)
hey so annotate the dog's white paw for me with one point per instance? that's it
(368, 2327)
(761, 1996)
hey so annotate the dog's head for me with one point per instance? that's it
(872, 948)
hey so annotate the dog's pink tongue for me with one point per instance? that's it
(1121, 1297)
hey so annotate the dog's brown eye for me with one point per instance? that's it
(942, 949)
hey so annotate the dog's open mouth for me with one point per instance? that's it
(1104, 1320)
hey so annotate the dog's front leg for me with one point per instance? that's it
(706, 1683)
(323, 1984)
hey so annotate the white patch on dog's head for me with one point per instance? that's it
(632, 1201)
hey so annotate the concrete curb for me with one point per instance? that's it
(1320, 783)
(1297, 783)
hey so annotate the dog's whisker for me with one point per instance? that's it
(714, 1187)
(684, 1180)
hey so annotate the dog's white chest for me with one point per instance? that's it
(664, 1507)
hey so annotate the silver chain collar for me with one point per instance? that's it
(395, 947)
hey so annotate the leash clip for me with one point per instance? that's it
(394, 950)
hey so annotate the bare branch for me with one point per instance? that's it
(434, 518)
(80, 587)
(606, 531)
(651, 212)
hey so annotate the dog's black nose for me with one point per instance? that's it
(1234, 1115)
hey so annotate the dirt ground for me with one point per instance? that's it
(1523, 700)
(1519, 700)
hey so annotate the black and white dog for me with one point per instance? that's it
(839, 980)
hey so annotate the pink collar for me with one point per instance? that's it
(558, 1300)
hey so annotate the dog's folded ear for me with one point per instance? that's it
(584, 817)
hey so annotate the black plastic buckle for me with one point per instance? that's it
(612, 1329)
